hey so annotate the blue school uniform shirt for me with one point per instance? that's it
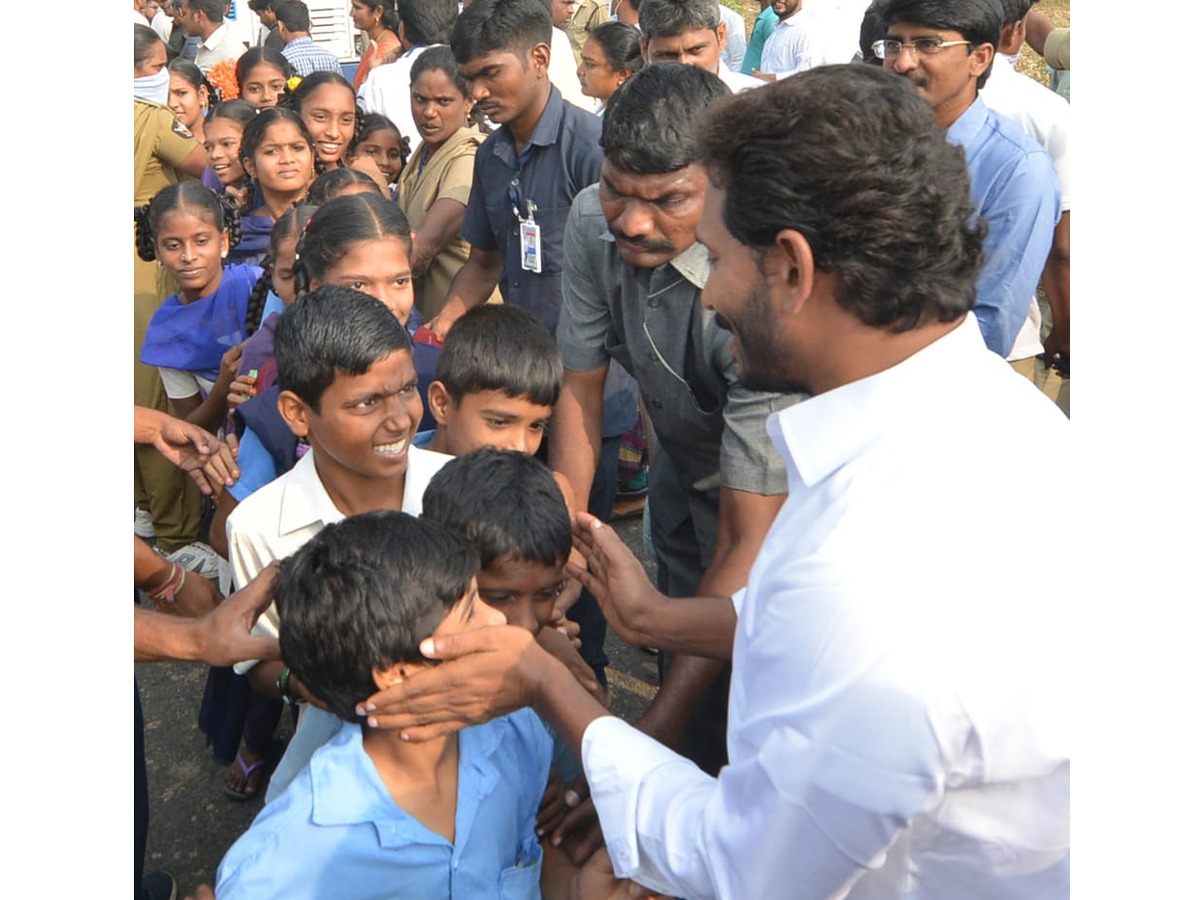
(337, 832)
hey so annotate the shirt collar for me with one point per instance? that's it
(969, 124)
(826, 431)
(305, 501)
(214, 39)
(302, 41)
(342, 761)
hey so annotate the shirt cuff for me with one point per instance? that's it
(618, 761)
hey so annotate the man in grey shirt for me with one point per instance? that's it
(632, 278)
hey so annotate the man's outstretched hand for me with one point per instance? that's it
(616, 577)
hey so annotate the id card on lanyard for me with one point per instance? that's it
(527, 227)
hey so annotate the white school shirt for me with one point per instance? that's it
(899, 707)
(280, 517)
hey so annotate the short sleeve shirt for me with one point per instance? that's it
(651, 321)
(160, 145)
(563, 157)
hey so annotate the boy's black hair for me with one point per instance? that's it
(294, 15)
(652, 123)
(427, 22)
(330, 331)
(505, 503)
(514, 26)
(361, 595)
(496, 347)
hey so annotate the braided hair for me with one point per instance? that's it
(288, 225)
(220, 209)
(338, 224)
(253, 136)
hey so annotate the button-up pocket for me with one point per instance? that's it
(523, 881)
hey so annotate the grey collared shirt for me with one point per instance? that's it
(564, 158)
(652, 323)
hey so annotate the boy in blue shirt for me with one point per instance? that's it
(373, 816)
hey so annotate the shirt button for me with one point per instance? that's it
(653, 302)
(516, 284)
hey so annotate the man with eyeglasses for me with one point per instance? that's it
(945, 48)
(632, 277)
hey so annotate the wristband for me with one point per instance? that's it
(166, 591)
(282, 684)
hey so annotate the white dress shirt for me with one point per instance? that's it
(564, 71)
(222, 44)
(279, 518)
(820, 33)
(736, 81)
(899, 707)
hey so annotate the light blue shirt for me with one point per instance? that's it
(337, 832)
(1015, 190)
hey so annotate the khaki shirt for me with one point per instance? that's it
(447, 175)
(587, 16)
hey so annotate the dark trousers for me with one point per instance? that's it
(586, 611)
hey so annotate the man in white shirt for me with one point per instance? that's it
(387, 89)
(205, 19)
(690, 32)
(816, 34)
(899, 706)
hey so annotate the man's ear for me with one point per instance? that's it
(539, 58)
(295, 413)
(795, 271)
(439, 402)
(722, 36)
(981, 58)
(646, 51)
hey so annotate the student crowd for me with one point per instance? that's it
(377, 421)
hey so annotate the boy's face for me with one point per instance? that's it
(523, 590)
(469, 613)
(366, 423)
(503, 84)
(488, 419)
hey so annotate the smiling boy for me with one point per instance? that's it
(348, 390)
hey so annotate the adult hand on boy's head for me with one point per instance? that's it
(616, 577)
(487, 672)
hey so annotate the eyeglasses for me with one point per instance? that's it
(926, 46)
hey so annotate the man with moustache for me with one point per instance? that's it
(899, 712)
(632, 278)
(946, 48)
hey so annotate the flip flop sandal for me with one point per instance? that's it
(247, 771)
